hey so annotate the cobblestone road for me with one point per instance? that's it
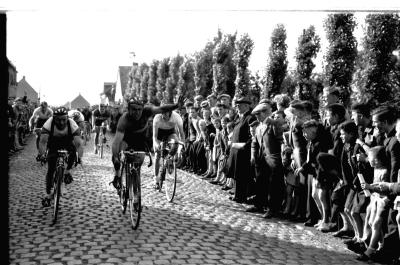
(201, 226)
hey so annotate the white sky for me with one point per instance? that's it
(64, 48)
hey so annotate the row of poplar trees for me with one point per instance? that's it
(368, 73)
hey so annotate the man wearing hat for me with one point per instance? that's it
(225, 99)
(266, 148)
(212, 101)
(197, 101)
(239, 157)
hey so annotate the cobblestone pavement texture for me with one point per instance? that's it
(201, 226)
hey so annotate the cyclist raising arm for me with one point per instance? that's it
(131, 130)
(39, 117)
(59, 132)
(165, 128)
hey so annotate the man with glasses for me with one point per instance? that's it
(131, 130)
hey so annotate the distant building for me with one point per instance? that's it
(109, 91)
(123, 84)
(12, 80)
(25, 89)
(79, 102)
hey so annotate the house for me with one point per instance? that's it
(79, 102)
(25, 89)
(123, 83)
(12, 80)
(109, 91)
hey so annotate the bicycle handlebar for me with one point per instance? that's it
(132, 152)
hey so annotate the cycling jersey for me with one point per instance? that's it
(41, 117)
(135, 130)
(60, 138)
(166, 128)
(79, 116)
(99, 118)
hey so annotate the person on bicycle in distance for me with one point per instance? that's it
(38, 118)
(131, 130)
(99, 116)
(87, 116)
(78, 117)
(166, 127)
(59, 132)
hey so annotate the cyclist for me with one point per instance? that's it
(78, 117)
(38, 118)
(99, 116)
(59, 132)
(165, 128)
(131, 130)
(87, 115)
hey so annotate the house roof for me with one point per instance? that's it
(79, 102)
(23, 85)
(123, 72)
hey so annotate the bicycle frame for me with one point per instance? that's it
(130, 184)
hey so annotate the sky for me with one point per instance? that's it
(67, 48)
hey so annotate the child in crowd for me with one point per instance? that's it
(229, 182)
(292, 199)
(378, 207)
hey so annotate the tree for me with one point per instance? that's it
(224, 69)
(162, 75)
(243, 49)
(342, 53)
(186, 85)
(144, 83)
(203, 67)
(309, 45)
(377, 81)
(277, 65)
(173, 78)
(151, 92)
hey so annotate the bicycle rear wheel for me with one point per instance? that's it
(134, 191)
(57, 192)
(170, 179)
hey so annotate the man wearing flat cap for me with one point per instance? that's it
(239, 157)
(225, 99)
(197, 101)
(204, 104)
(266, 148)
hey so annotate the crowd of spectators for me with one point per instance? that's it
(19, 110)
(287, 159)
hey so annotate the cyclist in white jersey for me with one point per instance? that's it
(166, 126)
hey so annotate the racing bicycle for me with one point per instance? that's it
(129, 187)
(167, 172)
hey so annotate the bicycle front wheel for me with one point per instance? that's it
(124, 192)
(57, 192)
(170, 179)
(101, 151)
(135, 201)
